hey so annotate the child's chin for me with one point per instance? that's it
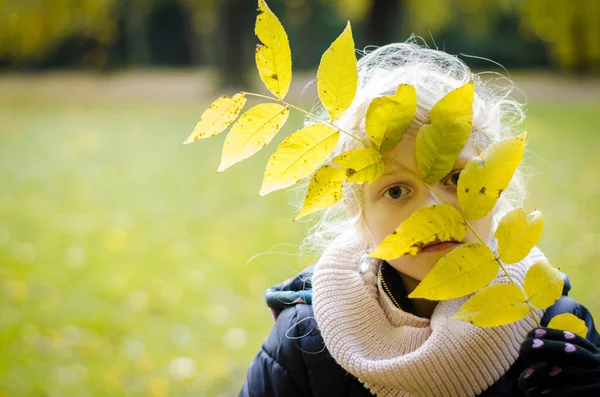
(417, 267)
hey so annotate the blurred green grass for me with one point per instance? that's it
(122, 252)
(563, 145)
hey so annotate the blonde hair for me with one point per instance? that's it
(433, 73)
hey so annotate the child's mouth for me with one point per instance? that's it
(438, 246)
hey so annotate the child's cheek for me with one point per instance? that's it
(483, 227)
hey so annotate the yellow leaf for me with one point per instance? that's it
(516, 236)
(438, 144)
(424, 226)
(324, 190)
(298, 156)
(460, 272)
(494, 305)
(569, 322)
(362, 165)
(485, 177)
(274, 58)
(389, 116)
(543, 285)
(217, 117)
(252, 132)
(337, 76)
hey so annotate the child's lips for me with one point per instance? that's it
(440, 246)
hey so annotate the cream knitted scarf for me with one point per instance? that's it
(395, 353)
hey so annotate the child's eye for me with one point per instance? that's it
(395, 192)
(452, 178)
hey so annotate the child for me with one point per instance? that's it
(366, 336)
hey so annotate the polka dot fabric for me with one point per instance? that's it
(560, 363)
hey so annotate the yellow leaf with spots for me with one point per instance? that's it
(337, 76)
(543, 285)
(389, 116)
(324, 190)
(460, 272)
(362, 165)
(494, 305)
(252, 132)
(437, 222)
(274, 58)
(217, 117)
(298, 156)
(485, 177)
(438, 144)
(569, 322)
(516, 235)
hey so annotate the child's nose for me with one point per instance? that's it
(441, 197)
(431, 198)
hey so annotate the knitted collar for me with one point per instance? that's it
(395, 353)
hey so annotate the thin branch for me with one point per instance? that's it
(366, 144)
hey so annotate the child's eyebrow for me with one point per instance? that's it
(460, 161)
(396, 170)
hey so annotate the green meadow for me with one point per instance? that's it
(129, 266)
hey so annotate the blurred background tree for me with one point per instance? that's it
(570, 27)
(51, 33)
(104, 34)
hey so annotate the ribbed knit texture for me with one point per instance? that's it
(395, 353)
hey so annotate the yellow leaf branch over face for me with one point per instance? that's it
(460, 272)
(569, 322)
(438, 144)
(363, 165)
(217, 117)
(516, 237)
(494, 305)
(389, 116)
(437, 222)
(298, 156)
(252, 132)
(543, 285)
(274, 58)
(487, 176)
(324, 190)
(337, 76)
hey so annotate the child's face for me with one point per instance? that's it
(392, 198)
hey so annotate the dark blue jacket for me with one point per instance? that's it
(294, 361)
